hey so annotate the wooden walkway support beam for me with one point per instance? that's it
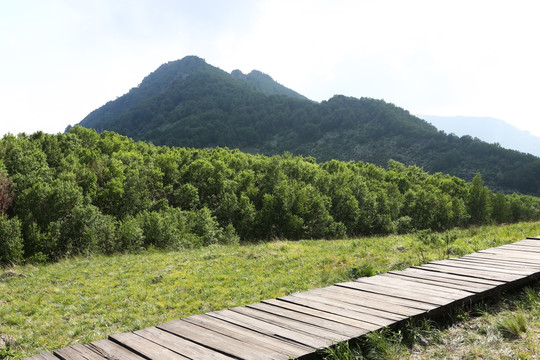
(297, 325)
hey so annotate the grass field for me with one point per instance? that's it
(79, 300)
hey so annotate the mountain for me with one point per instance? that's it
(193, 104)
(487, 129)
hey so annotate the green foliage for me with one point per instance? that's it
(191, 103)
(83, 192)
(11, 242)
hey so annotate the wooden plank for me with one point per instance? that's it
(305, 339)
(145, 347)
(513, 273)
(357, 311)
(328, 324)
(499, 264)
(525, 256)
(399, 293)
(458, 290)
(250, 336)
(361, 302)
(424, 289)
(468, 272)
(87, 352)
(180, 345)
(290, 323)
(359, 326)
(451, 284)
(76, 353)
(522, 247)
(340, 311)
(358, 289)
(450, 278)
(505, 257)
(500, 261)
(224, 344)
(111, 350)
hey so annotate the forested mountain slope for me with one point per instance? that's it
(190, 103)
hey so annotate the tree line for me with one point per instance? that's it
(82, 192)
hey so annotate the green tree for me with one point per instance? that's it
(479, 201)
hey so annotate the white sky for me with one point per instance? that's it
(61, 59)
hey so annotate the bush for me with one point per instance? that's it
(129, 235)
(11, 246)
(85, 230)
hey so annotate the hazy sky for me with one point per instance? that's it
(61, 59)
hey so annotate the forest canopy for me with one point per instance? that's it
(82, 192)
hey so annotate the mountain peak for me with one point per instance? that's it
(260, 81)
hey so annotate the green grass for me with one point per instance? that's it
(79, 300)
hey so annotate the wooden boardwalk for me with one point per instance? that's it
(295, 326)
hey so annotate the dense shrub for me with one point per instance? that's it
(84, 192)
(11, 242)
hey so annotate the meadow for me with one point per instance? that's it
(85, 298)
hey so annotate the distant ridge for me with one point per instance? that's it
(262, 82)
(488, 129)
(190, 103)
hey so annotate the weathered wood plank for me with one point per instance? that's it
(224, 344)
(500, 261)
(248, 335)
(362, 303)
(290, 323)
(145, 347)
(400, 293)
(77, 352)
(506, 278)
(452, 289)
(523, 247)
(465, 277)
(420, 288)
(522, 255)
(357, 311)
(449, 278)
(460, 264)
(423, 280)
(340, 311)
(498, 264)
(263, 327)
(180, 345)
(335, 327)
(361, 291)
(111, 350)
(359, 326)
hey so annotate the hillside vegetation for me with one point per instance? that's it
(190, 103)
(84, 192)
